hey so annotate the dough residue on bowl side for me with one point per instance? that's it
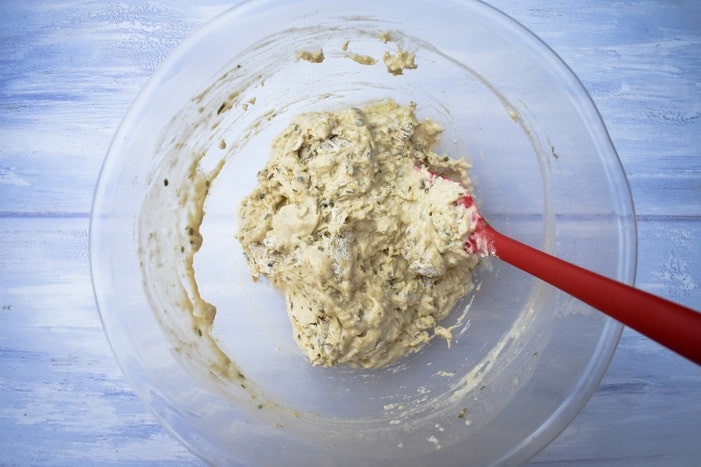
(400, 61)
(312, 56)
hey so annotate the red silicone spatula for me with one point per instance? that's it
(674, 326)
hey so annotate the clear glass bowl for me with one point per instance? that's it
(526, 357)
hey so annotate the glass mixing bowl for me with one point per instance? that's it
(525, 357)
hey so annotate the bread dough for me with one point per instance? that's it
(350, 221)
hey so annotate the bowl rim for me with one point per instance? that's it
(609, 338)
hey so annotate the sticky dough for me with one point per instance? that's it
(354, 219)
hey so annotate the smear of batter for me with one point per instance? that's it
(400, 61)
(362, 59)
(312, 56)
(350, 223)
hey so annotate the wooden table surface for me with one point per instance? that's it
(68, 72)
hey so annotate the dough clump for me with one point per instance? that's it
(355, 220)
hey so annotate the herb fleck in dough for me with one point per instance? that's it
(350, 223)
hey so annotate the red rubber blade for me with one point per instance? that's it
(672, 325)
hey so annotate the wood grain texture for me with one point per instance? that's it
(69, 70)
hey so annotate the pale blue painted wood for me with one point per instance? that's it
(68, 71)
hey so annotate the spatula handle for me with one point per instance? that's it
(674, 326)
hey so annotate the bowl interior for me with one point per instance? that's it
(525, 357)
